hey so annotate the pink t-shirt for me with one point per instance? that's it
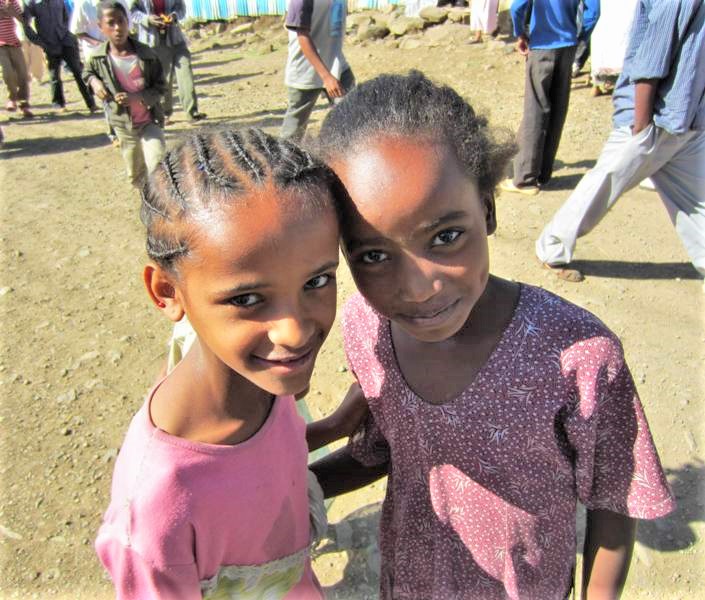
(182, 512)
(129, 74)
(482, 493)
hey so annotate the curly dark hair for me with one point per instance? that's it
(413, 105)
(219, 166)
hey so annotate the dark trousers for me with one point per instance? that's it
(546, 95)
(69, 55)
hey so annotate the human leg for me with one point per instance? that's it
(625, 160)
(537, 110)
(153, 146)
(131, 150)
(298, 112)
(165, 54)
(57, 87)
(73, 61)
(184, 80)
(9, 75)
(20, 66)
(681, 186)
(559, 94)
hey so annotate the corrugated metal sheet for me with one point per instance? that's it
(227, 9)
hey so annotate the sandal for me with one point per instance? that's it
(565, 273)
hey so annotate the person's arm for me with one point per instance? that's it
(342, 423)
(518, 10)
(139, 12)
(609, 541)
(333, 86)
(591, 13)
(339, 473)
(644, 96)
(30, 33)
(92, 79)
(11, 9)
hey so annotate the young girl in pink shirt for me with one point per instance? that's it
(494, 406)
(210, 495)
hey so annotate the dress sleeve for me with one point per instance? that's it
(136, 578)
(368, 445)
(616, 464)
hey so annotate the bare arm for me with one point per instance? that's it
(339, 473)
(609, 541)
(342, 423)
(644, 95)
(333, 86)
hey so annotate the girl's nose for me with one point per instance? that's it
(291, 331)
(419, 280)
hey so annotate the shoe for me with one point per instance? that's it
(59, 107)
(528, 190)
(197, 116)
(168, 121)
(11, 106)
(565, 273)
(575, 71)
(26, 113)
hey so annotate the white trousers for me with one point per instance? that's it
(676, 165)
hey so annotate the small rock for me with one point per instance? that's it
(434, 14)
(109, 455)
(342, 369)
(404, 25)
(66, 431)
(371, 31)
(68, 396)
(83, 252)
(8, 533)
(244, 28)
(5, 290)
(114, 356)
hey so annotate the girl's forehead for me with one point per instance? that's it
(262, 217)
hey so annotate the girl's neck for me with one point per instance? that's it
(203, 400)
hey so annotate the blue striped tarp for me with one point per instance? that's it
(211, 10)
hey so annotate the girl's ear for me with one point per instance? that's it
(161, 289)
(490, 214)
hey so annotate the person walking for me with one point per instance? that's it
(659, 132)
(549, 48)
(157, 23)
(14, 68)
(51, 33)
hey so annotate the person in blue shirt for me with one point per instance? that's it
(659, 132)
(548, 43)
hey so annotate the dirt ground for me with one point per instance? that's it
(80, 344)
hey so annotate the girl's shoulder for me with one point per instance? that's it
(559, 319)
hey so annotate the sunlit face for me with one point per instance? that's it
(416, 234)
(114, 26)
(259, 286)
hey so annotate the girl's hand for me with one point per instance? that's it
(342, 423)
(122, 99)
(99, 90)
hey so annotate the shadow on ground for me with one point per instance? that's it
(635, 270)
(50, 145)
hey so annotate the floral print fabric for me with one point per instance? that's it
(481, 498)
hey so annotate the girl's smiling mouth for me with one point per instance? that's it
(431, 317)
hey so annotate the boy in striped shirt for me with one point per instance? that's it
(14, 68)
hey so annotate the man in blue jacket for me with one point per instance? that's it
(549, 48)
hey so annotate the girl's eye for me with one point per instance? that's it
(374, 257)
(318, 282)
(246, 300)
(446, 237)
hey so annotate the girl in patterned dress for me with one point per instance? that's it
(494, 406)
(210, 495)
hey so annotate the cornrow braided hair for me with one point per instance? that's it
(412, 105)
(218, 166)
